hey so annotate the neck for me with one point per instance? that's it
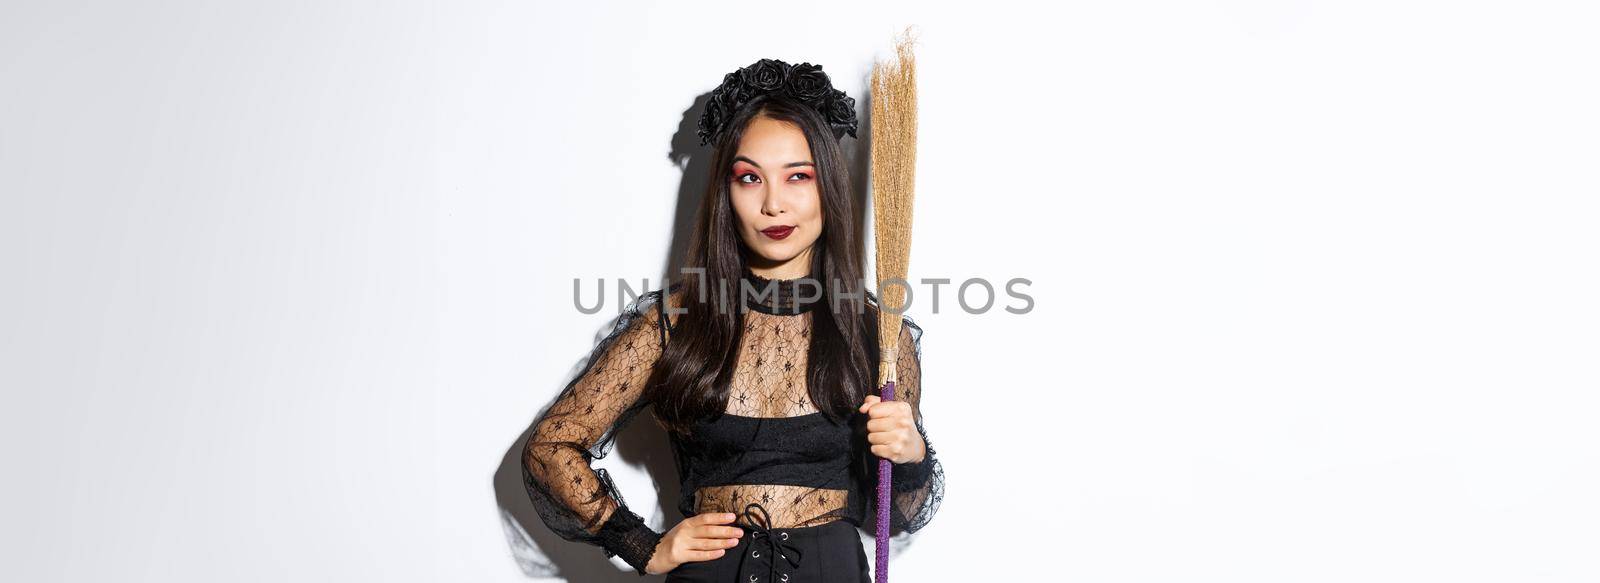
(796, 267)
(780, 296)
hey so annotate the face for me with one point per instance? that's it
(776, 198)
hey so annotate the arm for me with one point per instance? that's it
(576, 501)
(917, 486)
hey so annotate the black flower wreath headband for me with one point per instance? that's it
(805, 83)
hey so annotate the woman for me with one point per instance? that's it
(762, 369)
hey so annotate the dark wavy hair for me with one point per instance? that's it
(692, 379)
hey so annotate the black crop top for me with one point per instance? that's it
(771, 446)
(805, 450)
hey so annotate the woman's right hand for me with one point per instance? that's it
(697, 538)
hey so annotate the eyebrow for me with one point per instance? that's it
(789, 165)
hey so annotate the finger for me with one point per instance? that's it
(716, 517)
(886, 409)
(702, 555)
(892, 423)
(717, 532)
(868, 403)
(902, 408)
(883, 437)
(887, 452)
(711, 544)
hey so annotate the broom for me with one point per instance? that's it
(894, 157)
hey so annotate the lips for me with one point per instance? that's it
(778, 232)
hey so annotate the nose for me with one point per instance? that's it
(770, 205)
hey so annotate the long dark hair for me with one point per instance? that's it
(692, 378)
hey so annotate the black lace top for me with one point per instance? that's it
(771, 446)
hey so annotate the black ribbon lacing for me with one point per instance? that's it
(777, 542)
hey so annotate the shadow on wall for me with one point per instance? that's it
(539, 552)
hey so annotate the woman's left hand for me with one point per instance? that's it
(892, 431)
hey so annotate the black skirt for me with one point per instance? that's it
(830, 552)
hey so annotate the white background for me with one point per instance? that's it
(286, 282)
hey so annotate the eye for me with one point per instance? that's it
(740, 178)
(802, 175)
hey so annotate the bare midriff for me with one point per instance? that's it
(786, 506)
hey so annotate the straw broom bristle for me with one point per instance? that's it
(894, 157)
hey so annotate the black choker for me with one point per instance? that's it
(785, 297)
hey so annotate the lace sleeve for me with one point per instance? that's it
(577, 501)
(918, 486)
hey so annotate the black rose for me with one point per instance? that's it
(711, 119)
(721, 105)
(807, 83)
(728, 94)
(765, 74)
(804, 83)
(737, 96)
(841, 112)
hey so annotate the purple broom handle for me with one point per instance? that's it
(881, 569)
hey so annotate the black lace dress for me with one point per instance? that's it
(772, 458)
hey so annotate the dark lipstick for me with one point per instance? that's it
(778, 232)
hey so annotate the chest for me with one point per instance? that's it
(769, 419)
(804, 436)
(769, 377)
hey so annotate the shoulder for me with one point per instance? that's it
(662, 305)
(910, 338)
(909, 324)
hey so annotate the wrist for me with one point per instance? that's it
(913, 475)
(624, 534)
(921, 446)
